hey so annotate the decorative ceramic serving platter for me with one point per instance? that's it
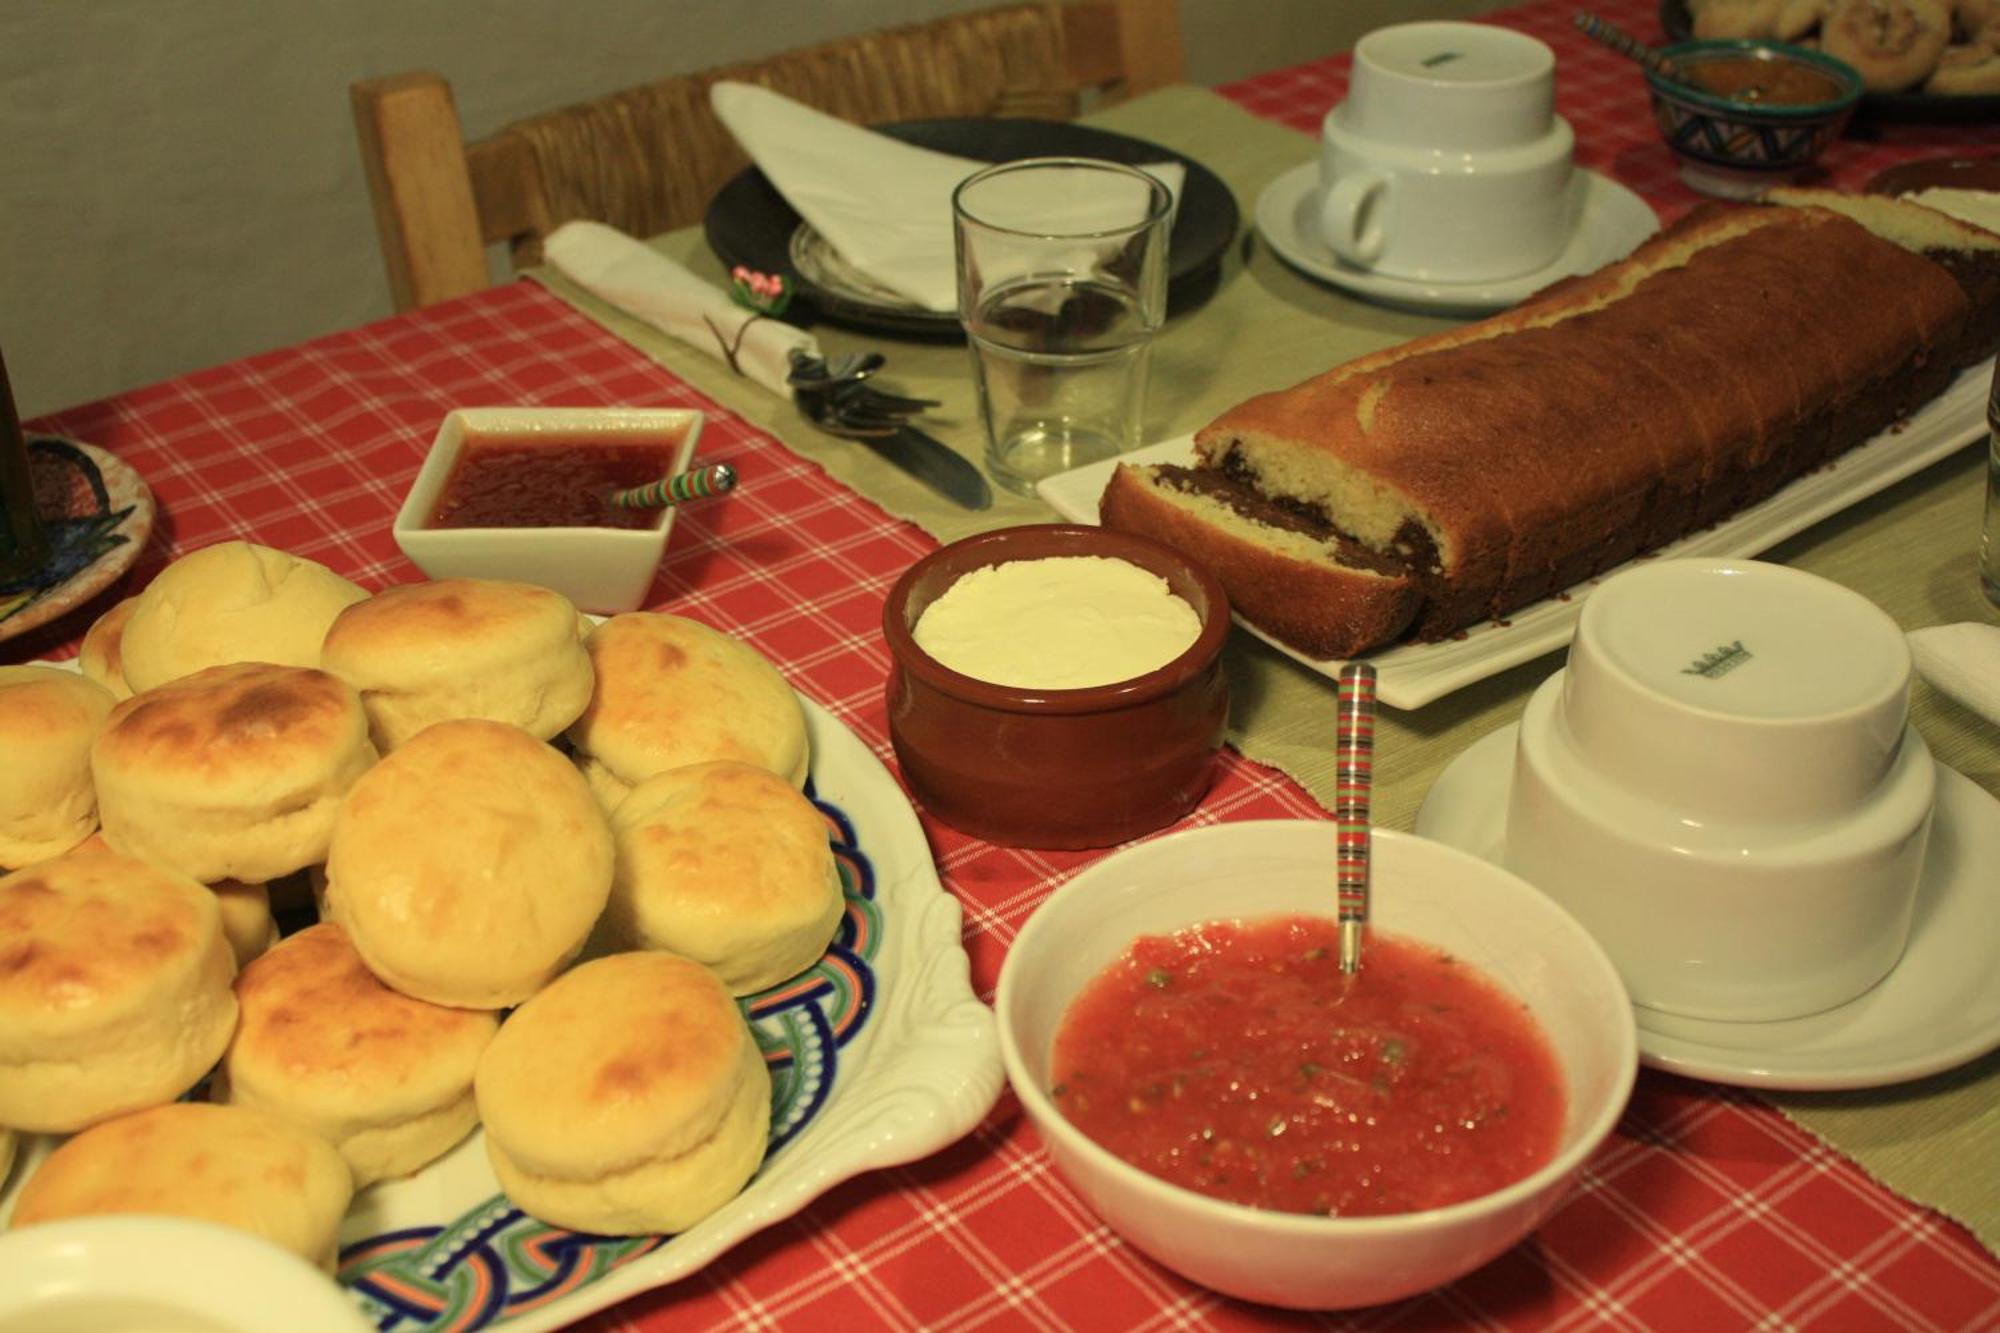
(1411, 675)
(879, 1054)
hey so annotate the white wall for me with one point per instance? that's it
(178, 178)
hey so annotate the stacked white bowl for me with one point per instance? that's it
(1723, 787)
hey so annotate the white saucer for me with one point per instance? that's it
(1611, 221)
(1939, 1008)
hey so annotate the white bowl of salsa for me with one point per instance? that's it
(523, 493)
(1306, 1144)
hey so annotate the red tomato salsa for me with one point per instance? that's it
(1235, 1060)
(537, 482)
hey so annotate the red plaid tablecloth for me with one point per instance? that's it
(1706, 1209)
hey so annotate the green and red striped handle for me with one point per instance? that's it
(1354, 771)
(680, 488)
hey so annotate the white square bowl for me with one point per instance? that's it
(606, 570)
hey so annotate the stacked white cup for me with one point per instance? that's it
(1447, 162)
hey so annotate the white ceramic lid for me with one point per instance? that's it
(1737, 688)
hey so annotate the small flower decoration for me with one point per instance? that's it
(765, 293)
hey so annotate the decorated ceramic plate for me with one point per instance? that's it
(98, 513)
(879, 1054)
(1410, 675)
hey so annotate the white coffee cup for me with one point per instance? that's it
(1722, 785)
(1447, 162)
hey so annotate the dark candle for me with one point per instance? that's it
(24, 546)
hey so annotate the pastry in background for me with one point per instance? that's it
(48, 718)
(6, 1154)
(456, 648)
(672, 691)
(246, 918)
(114, 989)
(727, 864)
(469, 866)
(1893, 44)
(232, 773)
(627, 1098)
(231, 602)
(1726, 19)
(1967, 71)
(387, 1080)
(229, 1165)
(101, 656)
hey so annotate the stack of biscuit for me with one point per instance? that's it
(1945, 48)
(486, 788)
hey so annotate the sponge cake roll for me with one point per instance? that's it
(627, 1098)
(384, 1078)
(224, 1164)
(727, 864)
(469, 866)
(455, 648)
(48, 719)
(672, 691)
(114, 989)
(232, 773)
(231, 602)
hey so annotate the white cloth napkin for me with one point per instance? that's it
(884, 205)
(647, 285)
(1962, 661)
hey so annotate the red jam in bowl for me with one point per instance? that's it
(1235, 1060)
(537, 481)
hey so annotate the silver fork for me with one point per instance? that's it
(838, 398)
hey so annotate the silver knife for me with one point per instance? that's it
(934, 463)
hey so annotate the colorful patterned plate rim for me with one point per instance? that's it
(880, 1054)
(121, 542)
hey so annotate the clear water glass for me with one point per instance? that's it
(1062, 279)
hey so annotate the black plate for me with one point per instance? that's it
(750, 223)
(1679, 25)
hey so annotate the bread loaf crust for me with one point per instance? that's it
(1506, 460)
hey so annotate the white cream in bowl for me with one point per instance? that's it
(1060, 622)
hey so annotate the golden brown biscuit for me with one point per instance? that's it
(1894, 44)
(469, 866)
(1966, 71)
(246, 918)
(101, 655)
(727, 864)
(427, 652)
(229, 1165)
(672, 691)
(114, 989)
(231, 602)
(232, 773)
(384, 1078)
(628, 1097)
(1737, 18)
(48, 719)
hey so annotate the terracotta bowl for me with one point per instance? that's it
(1056, 768)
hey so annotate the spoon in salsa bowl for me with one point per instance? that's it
(1354, 772)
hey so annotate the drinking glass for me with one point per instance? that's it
(1062, 284)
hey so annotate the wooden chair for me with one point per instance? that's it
(649, 159)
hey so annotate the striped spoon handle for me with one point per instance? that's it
(1354, 771)
(698, 484)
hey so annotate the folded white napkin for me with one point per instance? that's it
(1962, 661)
(884, 205)
(647, 285)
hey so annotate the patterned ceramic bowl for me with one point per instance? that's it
(1761, 115)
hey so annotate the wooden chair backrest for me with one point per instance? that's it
(648, 159)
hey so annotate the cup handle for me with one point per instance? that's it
(1342, 212)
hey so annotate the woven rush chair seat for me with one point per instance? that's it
(649, 159)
